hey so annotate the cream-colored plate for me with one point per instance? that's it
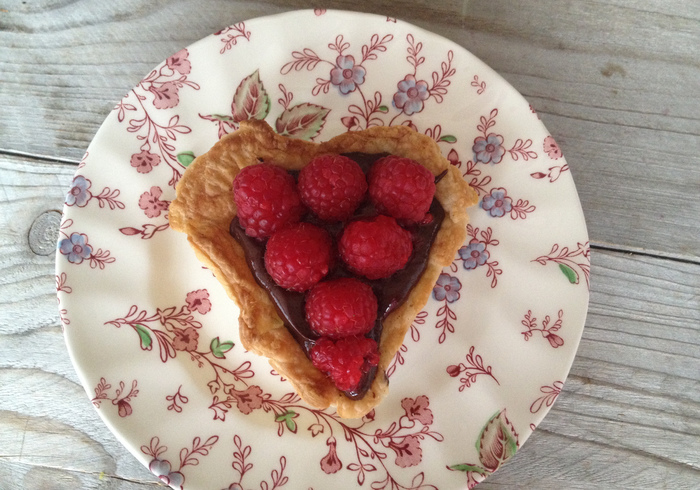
(154, 338)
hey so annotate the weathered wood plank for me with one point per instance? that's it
(628, 416)
(617, 83)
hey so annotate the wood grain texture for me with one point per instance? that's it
(617, 83)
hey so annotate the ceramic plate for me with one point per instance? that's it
(154, 338)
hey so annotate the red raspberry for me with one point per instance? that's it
(267, 199)
(401, 187)
(345, 360)
(375, 248)
(299, 256)
(341, 307)
(332, 186)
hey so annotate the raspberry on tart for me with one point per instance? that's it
(345, 360)
(299, 256)
(341, 307)
(402, 188)
(375, 248)
(332, 186)
(267, 199)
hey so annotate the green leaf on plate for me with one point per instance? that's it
(469, 467)
(449, 138)
(288, 418)
(145, 336)
(185, 158)
(569, 273)
(218, 348)
(497, 442)
(383, 108)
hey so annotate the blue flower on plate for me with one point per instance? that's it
(497, 203)
(75, 247)
(474, 254)
(447, 288)
(79, 195)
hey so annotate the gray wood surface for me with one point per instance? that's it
(616, 82)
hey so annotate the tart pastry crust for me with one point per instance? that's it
(204, 208)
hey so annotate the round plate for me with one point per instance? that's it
(154, 338)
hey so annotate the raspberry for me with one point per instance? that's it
(299, 256)
(375, 248)
(401, 187)
(332, 186)
(267, 199)
(341, 307)
(345, 360)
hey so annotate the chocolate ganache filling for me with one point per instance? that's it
(391, 292)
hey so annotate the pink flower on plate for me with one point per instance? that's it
(199, 301)
(165, 95)
(408, 451)
(179, 62)
(346, 75)
(185, 340)
(551, 148)
(145, 161)
(79, 193)
(554, 340)
(151, 204)
(411, 95)
(489, 149)
(124, 408)
(418, 409)
(249, 399)
(330, 462)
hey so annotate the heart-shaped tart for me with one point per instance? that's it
(282, 318)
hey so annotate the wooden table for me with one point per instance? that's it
(616, 82)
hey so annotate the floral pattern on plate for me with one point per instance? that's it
(154, 338)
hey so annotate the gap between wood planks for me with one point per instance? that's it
(602, 246)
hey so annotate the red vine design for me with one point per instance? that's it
(234, 34)
(573, 263)
(522, 149)
(476, 253)
(402, 437)
(473, 368)
(546, 329)
(162, 467)
(553, 173)
(471, 170)
(415, 336)
(163, 84)
(79, 195)
(61, 284)
(550, 394)
(120, 399)
(145, 231)
(445, 324)
(76, 248)
(242, 466)
(176, 400)
(480, 85)
(498, 204)
(61, 287)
